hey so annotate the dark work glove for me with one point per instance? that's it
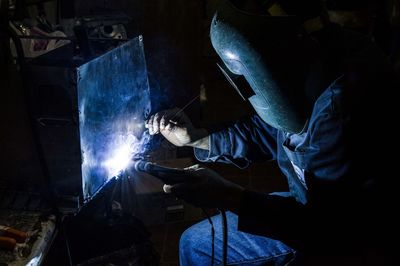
(202, 187)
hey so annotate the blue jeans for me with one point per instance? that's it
(243, 248)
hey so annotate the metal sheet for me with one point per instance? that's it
(113, 99)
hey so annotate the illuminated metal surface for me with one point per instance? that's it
(114, 99)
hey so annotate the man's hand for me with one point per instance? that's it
(203, 187)
(177, 128)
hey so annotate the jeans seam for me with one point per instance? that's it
(260, 259)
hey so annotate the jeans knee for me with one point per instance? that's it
(185, 248)
(195, 245)
(186, 240)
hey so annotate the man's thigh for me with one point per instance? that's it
(243, 248)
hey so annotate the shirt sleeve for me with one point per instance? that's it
(245, 142)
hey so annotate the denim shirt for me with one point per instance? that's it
(315, 163)
(318, 150)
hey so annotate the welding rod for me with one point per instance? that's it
(183, 108)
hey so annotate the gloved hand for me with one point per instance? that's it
(203, 187)
(177, 128)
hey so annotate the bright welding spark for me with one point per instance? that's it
(123, 148)
(120, 159)
(231, 55)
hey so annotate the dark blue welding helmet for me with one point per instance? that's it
(263, 57)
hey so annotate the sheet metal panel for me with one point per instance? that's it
(113, 101)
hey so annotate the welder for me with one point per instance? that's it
(322, 98)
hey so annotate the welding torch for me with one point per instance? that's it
(166, 174)
(169, 176)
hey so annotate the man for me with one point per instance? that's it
(315, 89)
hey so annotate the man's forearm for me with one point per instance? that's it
(201, 140)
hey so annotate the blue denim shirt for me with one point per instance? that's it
(318, 150)
(317, 163)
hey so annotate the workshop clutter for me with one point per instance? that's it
(41, 42)
(10, 236)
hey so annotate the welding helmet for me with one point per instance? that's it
(264, 59)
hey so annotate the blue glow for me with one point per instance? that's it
(119, 160)
(122, 150)
(231, 55)
(114, 100)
